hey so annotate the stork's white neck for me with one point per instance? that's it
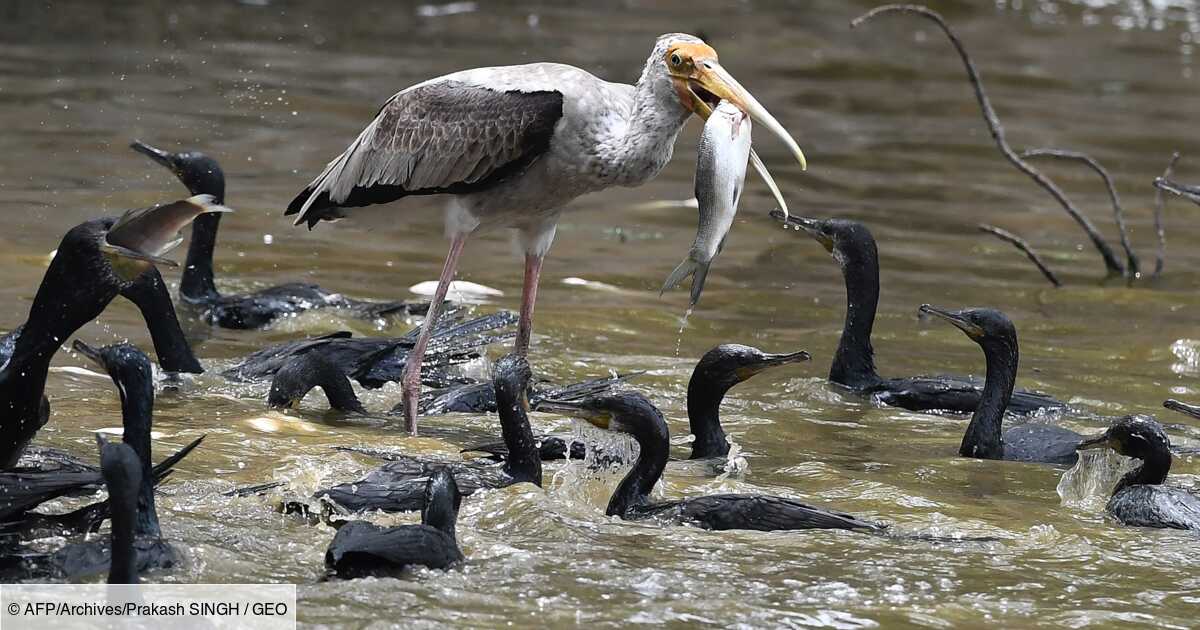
(636, 146)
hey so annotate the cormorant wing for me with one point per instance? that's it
(764, 513)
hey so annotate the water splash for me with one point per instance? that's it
(682, 324)
(1090, 482)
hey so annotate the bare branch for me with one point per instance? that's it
(1118, 211)
(1024, 246)
(1160, 204)
(1111, 263)
(1191, 193)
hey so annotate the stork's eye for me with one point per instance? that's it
(675, 59)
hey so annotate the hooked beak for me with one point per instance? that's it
(1099, 441)
(811, 227)
(91, 353)
(1191, 193)
(1182, 407)
(973, 331)
(768, 361)
(598, 418)
(164, 158)
(709, 84)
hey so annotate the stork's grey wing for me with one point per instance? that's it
(443, 136)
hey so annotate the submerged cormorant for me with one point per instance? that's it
(362, 549)
(1030, 442)
(633, 414)
(1140, 499)
(131, 373)
(853, 247)
(398, 486)
(96, 260)
(717, 371)
(202, 175)
(302, 373)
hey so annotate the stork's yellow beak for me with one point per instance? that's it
(706, 83)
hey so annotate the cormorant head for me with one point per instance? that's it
(442, 500)
(200, 173)
(984, 325)
(300, 374)
(1182, 407)
(624, 412)
(1139, 437)
(730, 363)
(841, 237)
(128, 366)
(510, 377)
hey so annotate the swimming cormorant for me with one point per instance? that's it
(202, 175)
(362, 549)
(398, 485)
(633, 414)
(853, 247)
(96, 260)
(1030, 442)
(717, 371)
(302, 373)
(1140, 498)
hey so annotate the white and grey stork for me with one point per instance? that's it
(511, 146)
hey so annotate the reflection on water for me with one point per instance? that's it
(894, 139)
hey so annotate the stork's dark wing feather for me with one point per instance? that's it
(439, 137)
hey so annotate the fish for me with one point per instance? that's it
(720, 174)
(143, 236)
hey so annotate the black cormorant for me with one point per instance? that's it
(853, 247)
(362, 549)
(1182, 407)
(632, 413)
(398, 486)
(1030, 442)
(96, 260)
(1140, 498)
(302, 373)
(202, 175)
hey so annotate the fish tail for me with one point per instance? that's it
(701, 270)
(682, 271)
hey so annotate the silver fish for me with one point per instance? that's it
(141, 237)
(720, 173)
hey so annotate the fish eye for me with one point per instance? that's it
(675, 59)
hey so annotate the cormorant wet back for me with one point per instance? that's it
(111, 255)
(1030, 442)
(718, 370)
(633, 414)
(1140, 498)
(304, 372)
(362, 549)
(202, 174)
(398, 485)
(853, 247)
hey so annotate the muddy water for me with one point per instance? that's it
(894, 140)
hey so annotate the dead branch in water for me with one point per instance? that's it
(1160, 204)
(1118, 211)
(1191, 193)
(1024, 246)
(1111, 263)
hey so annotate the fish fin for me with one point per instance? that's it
(698, 282)
(125, 252)
(682, 271)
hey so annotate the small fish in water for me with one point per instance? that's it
(720, 172)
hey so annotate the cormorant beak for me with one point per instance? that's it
(811, 227)
(141, 237)
(768, 361)
(973, 331)
(164, 158)
(1100, 441)
(708, 84)
(91, 353)
(1182, 407)
(1191, 193)
(598, 418)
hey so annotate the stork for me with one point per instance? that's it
(511, 146)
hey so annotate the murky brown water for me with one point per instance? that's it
(894, 139)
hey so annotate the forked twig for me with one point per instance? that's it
(1118, 211)
(1024, 246)
(1111, 263)
(1160, 205)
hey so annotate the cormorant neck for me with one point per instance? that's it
(704, 417)
(149, 293)
(197, 284)
(123, 506)
(1152, 472)
(340, 393)
(854, 361)
(137, 412)
(524, 462)
(635, 488)
(983, 437)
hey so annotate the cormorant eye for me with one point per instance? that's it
(675, 59)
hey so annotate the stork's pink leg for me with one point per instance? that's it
(533, 271)
(410, 381)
